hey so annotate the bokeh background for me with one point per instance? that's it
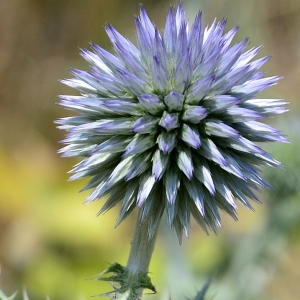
(50, 243)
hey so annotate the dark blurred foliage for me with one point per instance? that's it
(50, 242)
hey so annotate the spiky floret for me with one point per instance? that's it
(172, 123)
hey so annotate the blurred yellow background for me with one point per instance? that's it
(50, 242)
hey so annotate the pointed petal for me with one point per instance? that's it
(185, 162)
(146, 22)
(203, 174)
(230, 57)
(196, 193)
(128, 203)
(220, 102)
(194, 114)
(267, 107)
(146, 184)
(160, 164)
(235, 114)
(170, 33)
(123, 107)
(210, 151)
(159, 76)
(132, 82)
(120, 126)
(169, 121)
(191, 136)
(174, 101)
(139, 144)
(167, 141)
(109, 59)
(218, 128)
(151, 103)
(140, 163)
(95, 60)
(120, 171)
(115, 196)
(112, 145)
(146, 124)
(79, 85)
(196, 38)
(171, 181)
(179, 17)
(198, 90)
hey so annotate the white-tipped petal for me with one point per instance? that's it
(185, 162)
(160, 164)
(172, 184)
(191, 136)
(167, 141)
(146, 184)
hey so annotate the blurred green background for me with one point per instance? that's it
(50, 243)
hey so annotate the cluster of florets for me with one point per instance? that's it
(172, 124)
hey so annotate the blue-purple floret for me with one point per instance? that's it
(171, 125)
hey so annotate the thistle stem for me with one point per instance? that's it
(141, 252)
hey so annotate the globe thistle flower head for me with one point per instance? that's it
(171, 125)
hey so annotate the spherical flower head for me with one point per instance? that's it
(171, 125)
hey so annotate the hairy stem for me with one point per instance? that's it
(141, 252)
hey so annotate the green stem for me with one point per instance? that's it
(133, 278)
(141, 252)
